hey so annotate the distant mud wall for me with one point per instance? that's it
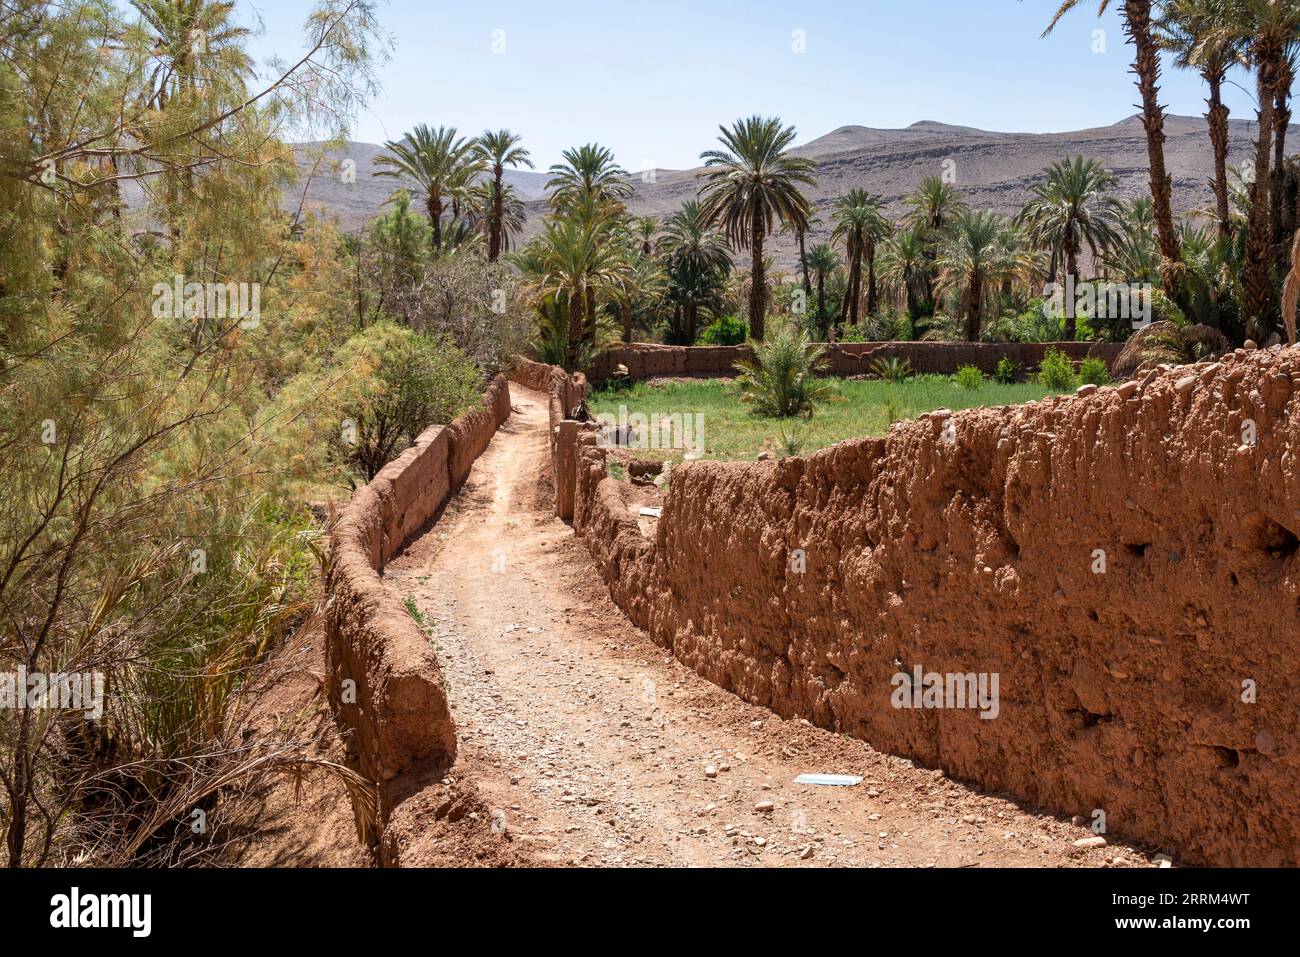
(645, 360)
(385, 685)
(1126, 563)
(564, 394)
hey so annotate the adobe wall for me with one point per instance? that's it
(1162, 687)
(564, 394)
(385, 685)
(647, 360)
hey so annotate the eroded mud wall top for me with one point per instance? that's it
(1125, 563)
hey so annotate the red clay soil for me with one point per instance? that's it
(587, 744)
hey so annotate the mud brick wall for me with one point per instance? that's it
(1163, 689)
(644, 361)
(399, 719)
(564, 394)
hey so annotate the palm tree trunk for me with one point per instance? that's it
(434, 206)
(1146, 65)
(1217, 120)
(803, 264)
(573, 346)
(758, 284)
(871, 279)
(494, 223)
(1071, 269)
(973, 317)
(692, 322)
(1259, 238)
(820, 302)
(855, 282)
(1277, 182)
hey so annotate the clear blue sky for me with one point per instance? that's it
(652, 80)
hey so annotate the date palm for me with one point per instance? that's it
(697, 263)
(859, 223)
(483, 197)
(932, 208)
(498, 149)
(196, 46)
(822, 262)
(974, 260)
(1202, 36)
(749, 185)
(588, 183)
(1138, 25)
(1270, 27)
(905, 264)
(1067, 211)
(435, 161)
(575, 262)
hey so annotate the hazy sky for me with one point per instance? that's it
(654, 80)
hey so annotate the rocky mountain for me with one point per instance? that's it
(995, 170)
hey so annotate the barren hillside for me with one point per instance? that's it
(995, 169)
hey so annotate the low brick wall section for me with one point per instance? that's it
(645, 360)
(1127, 564)
(564, 394)
(385, 685)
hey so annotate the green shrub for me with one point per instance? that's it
(1093, 371)
(1007, 371)
(969, 377)
(724, 331)
(892, 369)
(395, 383)
(781, 380)
(1056, 371)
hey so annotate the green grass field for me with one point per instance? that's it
(861, 408)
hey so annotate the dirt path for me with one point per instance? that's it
(596, 747)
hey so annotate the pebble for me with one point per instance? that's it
(764, 806)
(710, 772)
(1095, 841)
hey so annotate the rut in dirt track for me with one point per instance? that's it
(600, 748)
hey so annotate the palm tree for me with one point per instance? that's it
(483, 196)
(1136, 15)
(497, 149)
(644, 228)
(588, 183)
(1066, 212)
(1202, 35)
(932, 208)
(640, 278)
(435, 160)
(905, 263)
(749, 184)
(973, 261)
(697, 264)
(573, 261)
(195, 45)
(822, 262)
(859, 223)
(1271, 27)
(1132, 250)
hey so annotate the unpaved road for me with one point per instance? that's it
(594, 744)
